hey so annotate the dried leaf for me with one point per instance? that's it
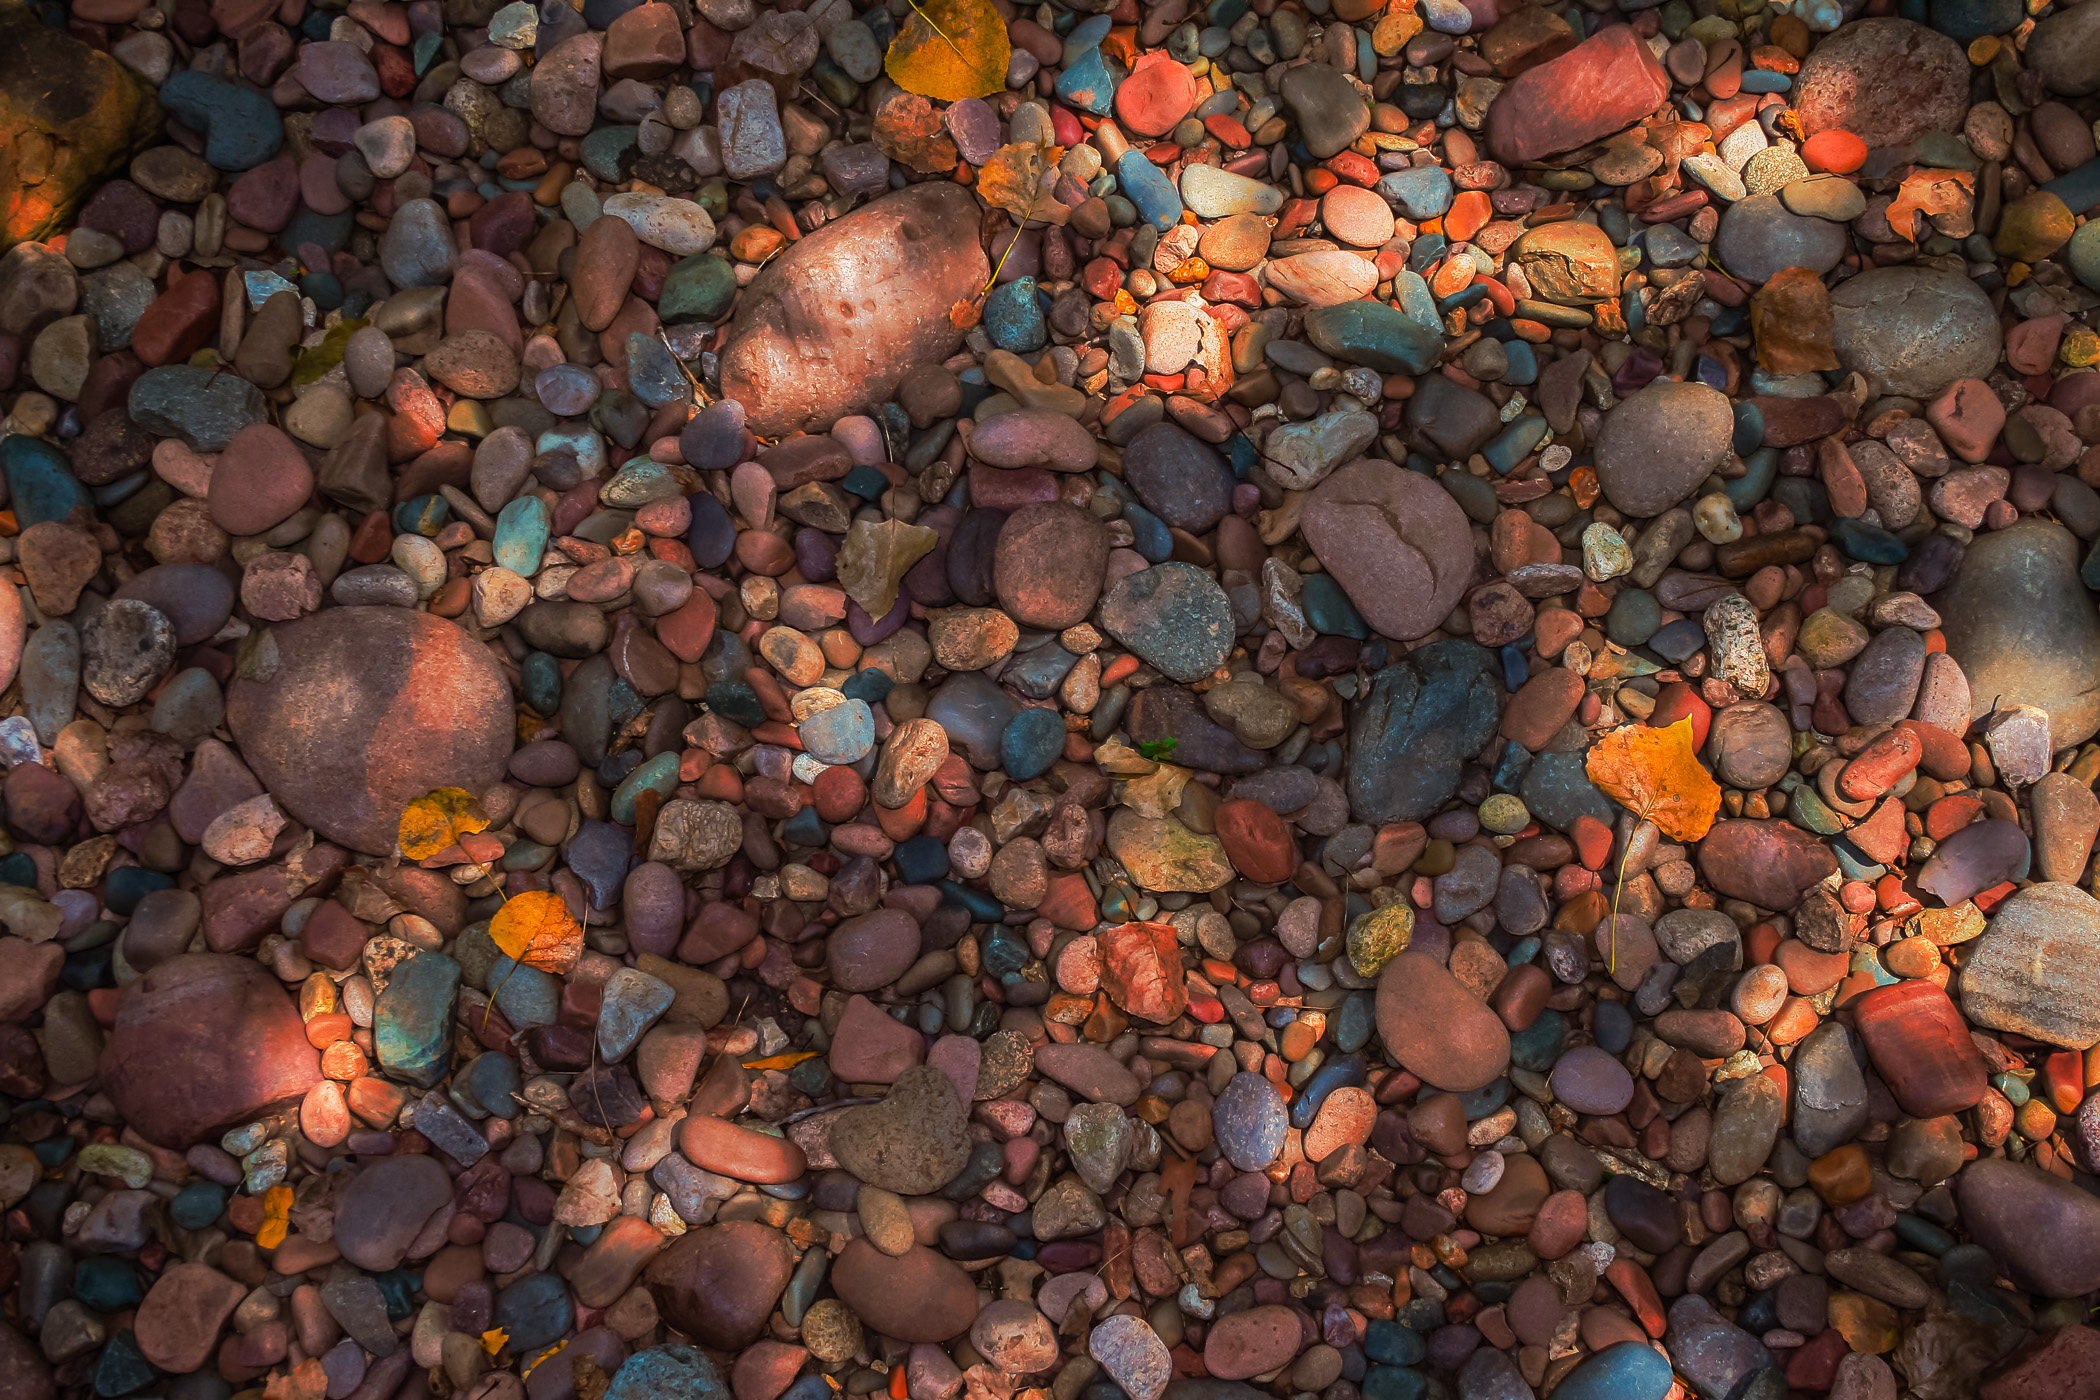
(874, 558)
(964, 314)
(435, 821)
(314, 362)
(1936, 194)
(534, 928)
(494, 1340)
(277, 1215)
(907, 129)
(1141, 971)
(951, 49)
(1013, 180)
(782, 1062)
(1656, 773)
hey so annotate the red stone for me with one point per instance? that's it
(1141, 971)
(1921, 1047)
(1158, 93)
(180, 320)
(1257, 842)
(1602, 85)
(2060, 1365)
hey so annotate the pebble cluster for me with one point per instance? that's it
(1087, 749)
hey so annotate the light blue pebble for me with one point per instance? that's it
(522, 529)
(842, 734)
(658, 775)
(633, 1001)
(1424, 192)
(1149, 189)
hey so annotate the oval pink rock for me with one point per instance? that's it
(1252, 1343)
(1437, 1028)
(261, 479)
(1396, 542)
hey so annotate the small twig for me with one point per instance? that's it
(937, 29)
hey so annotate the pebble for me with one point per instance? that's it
(990, 734)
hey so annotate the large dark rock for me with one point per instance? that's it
(69, 117)
(1423, 717)
(349, 715)
(718, 1284)
(830, 326)
(202, 1043)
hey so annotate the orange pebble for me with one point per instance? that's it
(1834, 152)
(1320, 181)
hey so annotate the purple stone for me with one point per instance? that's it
(868, 630)
(566, 391)
(975, 127)
(816, 555)
(124, 211)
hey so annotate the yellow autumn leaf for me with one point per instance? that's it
(950, 49)
(494, 1340)
(435, 821)
(787, 1061)
(1657, 773)
(534, 928)
(277, 1215)
(1013, 178)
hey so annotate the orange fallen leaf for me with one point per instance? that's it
(1656, 773)
(1013, 180)
(277, 1216)
(1141, 971)
(950, 49)
(494, 1340)
(787, 1061)
(1945, 196)
(964, 315)
(535, 929)
(435, 821)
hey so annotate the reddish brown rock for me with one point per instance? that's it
(1141, 970)
(1604, 84)
(831, 325)
(1887, 81)
(718, 1284)
(365, 710)
(172, 1070)
(919, 1296)
(1437, 1028)
(260, 480)
(1257, 841)
(178, 1323)
(1251, 1342)
(1767, 863)
(1921, 1046)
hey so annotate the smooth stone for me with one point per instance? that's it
(411, 705)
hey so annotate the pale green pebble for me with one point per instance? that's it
(1712, 29)
(1380, 936)
(1773, 169)
(1605, 554)
(580, 202)
(639, 483)
(266, 1166)
(127, 1164)
(419, 557)
(1504, 814)
(1214, 194)
(515, 26)
(2082, 253)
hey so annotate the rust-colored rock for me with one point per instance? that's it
(350, 714)
(831, 326)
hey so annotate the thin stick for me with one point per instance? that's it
(937, 29)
